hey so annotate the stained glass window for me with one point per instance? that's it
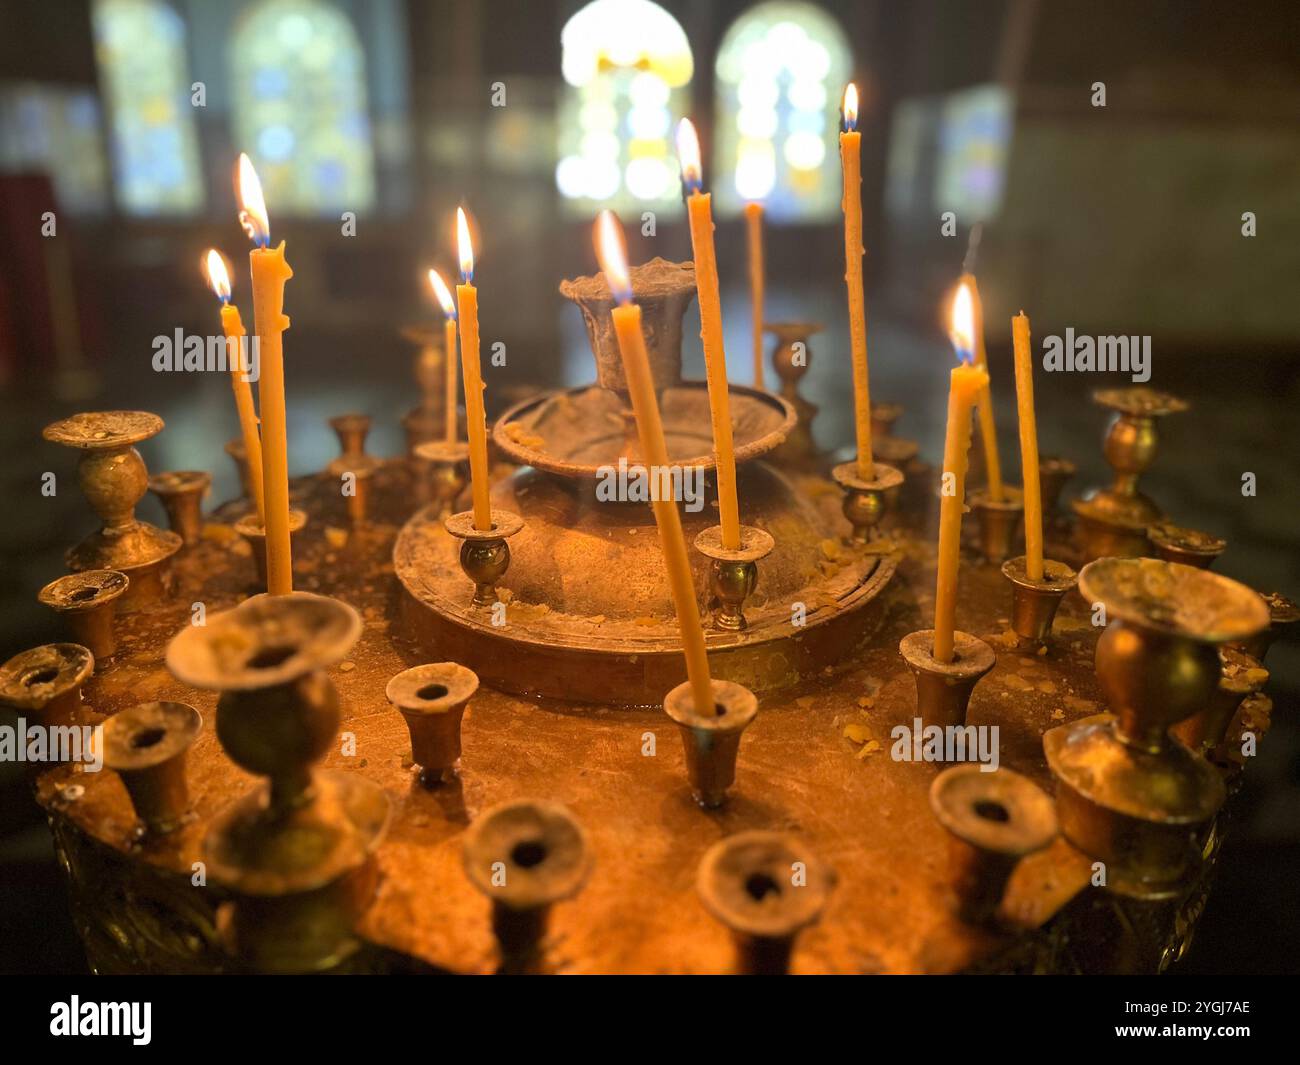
(299, 86)
(56, 130)
(627, 65)
(140, 49)
(780, 71)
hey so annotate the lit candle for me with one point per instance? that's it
(640, 387)
(963, 394)
(449, 343)
(700, 211)
(851, 164)
(472, 372)
(988, 429)
(269, 273)
(1028, 448)
(754, 231)
(219, 279)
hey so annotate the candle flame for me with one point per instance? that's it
(688, 154)
(214, 269)
(850, 108)
(464, 246)
(611, 250)
(252, 214)
(443, 293)
(962, 332)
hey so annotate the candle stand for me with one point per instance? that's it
(1283, 615)
(253, 534)
(239, 456)
(733, 574)
(181, 493)
(425, 421)
(866, 501)
(87, 602)
(1054, 473)
(351, 430)
(943, 689)
(443, 473)
(711, 737)
(1173, 543)
(1240, 676)
(432, 699)
(47, 681)
(1034, 602)
(791, 359)
(146, 746)
(484, 554)
(999, 524)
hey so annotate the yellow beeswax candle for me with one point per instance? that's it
(700, 212)
(640, 387)
(754, 232)
(963, 394)
(472, 372)
(269, 272)
(233, 327)
(449, 346)
(1028, 447)
(988, 426)
(851, 165)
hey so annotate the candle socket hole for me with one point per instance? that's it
(759, 886)
(270, 657)
(719, 709)
(39, 676)
(149, 737)
(990, 810)
(82, 594)
(431, 692)
(528, 854)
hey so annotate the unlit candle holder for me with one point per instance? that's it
(733, 575)
(1283, 615)
(1174, 543)
(1127, 794)
(1034, 602)
(47, 681)
(254, 534)
(993, 821)
(484, 555)
(711, 739)
(866, 501)
(113, 478)
(1240, 676)
(351, 430)
(181, 493)
(431, 699)
(146, 746)
(443, 472)
(1054, 473)
(943, 689)
(998, 522)
(525, 856)
(239, 456)
(747, 882)
(426, 421)
(87, 602)
(355, 475)
(791, 363)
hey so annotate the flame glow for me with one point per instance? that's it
(443, 293)
(464, 246)
(611, 250)
(850, 107)
(214, 269)
(252, 214)
(688, 154)
(962, 331)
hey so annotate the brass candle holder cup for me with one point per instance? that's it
(181, 493)
(711, 739)
(943, 689)
(1173, 543)
(525, 856)
(1127, 794)
(1034, 602)
(993, 820)
(296, 853)
(998, 522)
(113, 478)
(747, 882)
(47, 681)
(484, 555)
(1054, 473)
(146, 746)
(253, 534)
(426, 421)
(355, 475)
(883, 417)
(791, 360)
(87, 602)
(1283, 615)
(432, 699)
(1114, 520)
(352, 430)
(866, 501)
(733, 575)
(443, 472)
(1240, 676)
(239, 456)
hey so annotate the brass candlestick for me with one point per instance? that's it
(352, 430)
(47, 681)
(113, 478)
(1127, 795)
(525, 856)
(711, 738)
(431, 699)
(865, 501)
(791, 360)
(239, 456)
(1283, 615)
(356, 476)
(424, 422)
(1173, 543)
(87, 602)
(1240, 676)
(993, 820)
(943, 689)
(297, 852)
(998, 522)
(146, 745)
(883, 417)
(181, 493)
(1054, 473)
(484, 556)
(766, 888)
(1034, 602)
(254, 534)
(1114, 520)
(444, 472)
(733, 575)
